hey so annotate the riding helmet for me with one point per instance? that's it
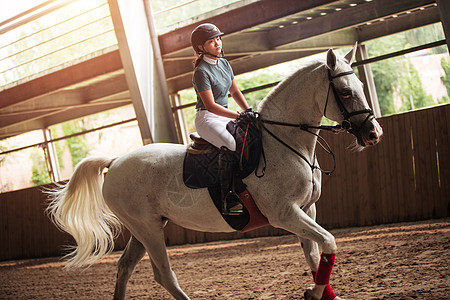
(203, 33)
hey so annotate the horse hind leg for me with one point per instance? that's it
(152, 237)
(133, 253)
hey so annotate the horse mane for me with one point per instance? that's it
(304, 70)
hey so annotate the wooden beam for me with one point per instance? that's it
(11, 118)
(56, 117)
(346, 18)
(240, 19)
(108, 62)
(444, 12)
(398, 23)
(97, 92)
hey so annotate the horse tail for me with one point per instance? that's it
(78, 208)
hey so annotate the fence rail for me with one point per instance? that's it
(404, 178)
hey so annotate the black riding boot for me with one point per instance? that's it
(231, 204)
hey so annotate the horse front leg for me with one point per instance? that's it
(133, 253)
(295, 220)
(312, 256)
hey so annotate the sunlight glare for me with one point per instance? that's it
(9, 9)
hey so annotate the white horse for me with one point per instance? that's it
(142, 190)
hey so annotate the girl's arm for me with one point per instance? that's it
(208, 100)
(238, 96)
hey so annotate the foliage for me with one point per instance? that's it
(412, 92)
(445, 63)
(78, 145)
(385, 73)
(397, 76)
(39, 169)
(254, 98)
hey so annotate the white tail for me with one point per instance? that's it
(79, 209)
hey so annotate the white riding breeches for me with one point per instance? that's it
(212, 128)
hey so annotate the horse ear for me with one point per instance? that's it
(331, 59)
(349, 57)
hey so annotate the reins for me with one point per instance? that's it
(322, 142)
(346, 125)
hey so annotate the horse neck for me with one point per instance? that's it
(297, 101)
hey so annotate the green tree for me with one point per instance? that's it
(385, 73)
(395, 74)
(39, 171)
(445, 63)
(78, 145)
(412, 92)
(254, 98)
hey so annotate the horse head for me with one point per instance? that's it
(346, 102)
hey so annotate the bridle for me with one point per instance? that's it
(346, 125)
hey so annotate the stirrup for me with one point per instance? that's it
(231, 205)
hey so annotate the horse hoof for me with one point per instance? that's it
(308, 296)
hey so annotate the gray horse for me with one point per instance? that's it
(144, 189)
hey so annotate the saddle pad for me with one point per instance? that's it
(201, 171)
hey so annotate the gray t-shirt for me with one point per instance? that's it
(214, 77)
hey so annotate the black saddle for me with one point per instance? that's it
(200, 169)
(199, 145)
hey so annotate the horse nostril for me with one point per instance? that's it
(373, 136)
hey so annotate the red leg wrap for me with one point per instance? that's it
(325, 266)
(328, 293)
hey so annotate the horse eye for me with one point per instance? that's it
(346, 94)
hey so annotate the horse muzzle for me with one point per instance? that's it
(373, 135)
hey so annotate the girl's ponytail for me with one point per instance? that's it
(197, 61)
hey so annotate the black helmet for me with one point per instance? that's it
(203, 33)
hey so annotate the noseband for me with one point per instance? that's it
(346, 125)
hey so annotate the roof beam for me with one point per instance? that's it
(106, 63)
(346, 18)
(55, 117)
(240, 19)
(95, 92)
(398, 24)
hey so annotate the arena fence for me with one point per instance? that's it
(404, 178)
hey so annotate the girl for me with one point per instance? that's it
(213, 78)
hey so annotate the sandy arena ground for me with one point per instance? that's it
(398, 261)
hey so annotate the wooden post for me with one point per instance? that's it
(179, 119)
(143, 74)
(365, 74)
(444, 12)
(50, 157)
